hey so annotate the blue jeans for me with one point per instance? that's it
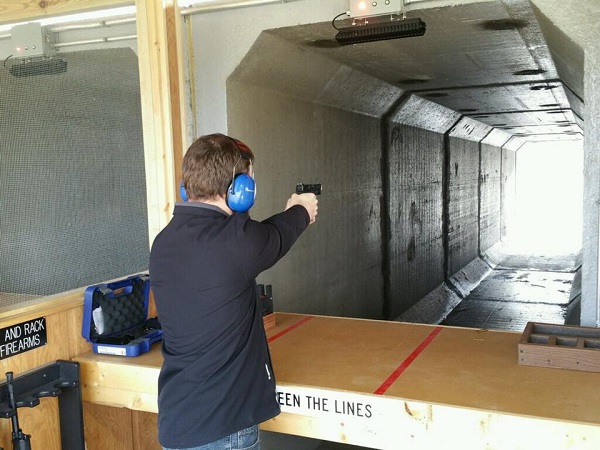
(247, 439)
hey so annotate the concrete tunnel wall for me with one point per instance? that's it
(293, 107)
(490, 192)
(462, 198)
(570, 18)
(222, 43)
(416, 184)
(398, 172)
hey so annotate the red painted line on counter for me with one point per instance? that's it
(407, 362)
(290, 328)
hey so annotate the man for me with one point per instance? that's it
(216, 383)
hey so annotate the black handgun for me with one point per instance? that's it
(303, 188)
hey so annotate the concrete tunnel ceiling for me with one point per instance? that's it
(500, 62)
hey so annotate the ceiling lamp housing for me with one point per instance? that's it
(380, 30)
(33, 53)
(369, 8)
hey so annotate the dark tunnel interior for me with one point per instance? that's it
(479, 128)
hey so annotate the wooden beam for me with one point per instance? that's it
(176, 75)
(23, 10)
(160, 62)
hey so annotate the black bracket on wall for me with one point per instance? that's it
(59, 379)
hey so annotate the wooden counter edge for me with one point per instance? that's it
(424, 426)
(46, 305)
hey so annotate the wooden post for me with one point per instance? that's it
(19, 10)
(177, 84)
(160, 62)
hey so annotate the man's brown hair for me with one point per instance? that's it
(210, 163)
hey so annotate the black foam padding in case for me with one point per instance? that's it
(123, 312)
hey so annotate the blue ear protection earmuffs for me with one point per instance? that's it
(241, 193)
(242, 190)
(182, 192)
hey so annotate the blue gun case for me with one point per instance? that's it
(115, 317)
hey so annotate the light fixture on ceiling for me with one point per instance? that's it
(33, 53)
(365, 8)
(378, 20)
(379, 31)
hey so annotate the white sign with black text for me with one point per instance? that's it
(341, 404)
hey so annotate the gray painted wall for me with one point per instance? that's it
(222, 39)
(590, 292)
(566, 26)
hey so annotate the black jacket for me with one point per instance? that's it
(216, 377)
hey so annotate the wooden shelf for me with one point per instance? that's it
(560, 346)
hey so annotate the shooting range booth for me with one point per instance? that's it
(417, 143)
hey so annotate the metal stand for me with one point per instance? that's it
(59, 379)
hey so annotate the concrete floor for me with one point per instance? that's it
(521, 288)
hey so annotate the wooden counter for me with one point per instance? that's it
(389, 385)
